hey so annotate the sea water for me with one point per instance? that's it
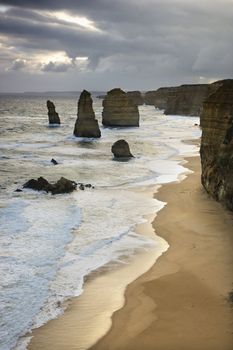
(49, 244)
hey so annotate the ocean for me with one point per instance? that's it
(50, 244)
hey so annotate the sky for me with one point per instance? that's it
(71, 45)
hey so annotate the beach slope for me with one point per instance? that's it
(182, 302)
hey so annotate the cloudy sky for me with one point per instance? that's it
(100, 44)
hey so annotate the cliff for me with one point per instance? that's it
(86, 125)
(119, 110)
(217, 143)
(179, 100)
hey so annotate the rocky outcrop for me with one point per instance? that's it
(119, 110)
(52, 114)
(86, 125)
(217, 143)
(180, 100)
(158, 98)
(120, 149)
(136, 97)
(61, 186)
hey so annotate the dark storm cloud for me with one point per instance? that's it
(173, 41)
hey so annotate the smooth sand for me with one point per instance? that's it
(88, 317)
(181, 302)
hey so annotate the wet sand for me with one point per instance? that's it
(179, 304)
(182, 303)
(88, 317)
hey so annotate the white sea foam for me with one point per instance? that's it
(49, 244)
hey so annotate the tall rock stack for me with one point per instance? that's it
(86, 125)
(119, 110)
(217, 143)
(136, 96)
(52, 114)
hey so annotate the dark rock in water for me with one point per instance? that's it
(40, 184)
(61, 186)
(54, 161)
(82, 187)
(217, 143)
(88, 186)
(52, 114)
(86, 125)
(119, 110)
(18, 190)
(120, 149)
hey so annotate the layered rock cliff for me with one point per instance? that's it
(119, 110)
(136, 97)
(86, 125)
(52, 114)
(217, 143)
(179, 100)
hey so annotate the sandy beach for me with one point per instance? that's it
(181, 303)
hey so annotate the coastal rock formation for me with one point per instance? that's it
(187, 99)
(61, 186)
(86, 125)
(52, 114)
(157, 98)
(119, 110)
(217, 143)
(120, 149)
(136, 97)
(180, 100)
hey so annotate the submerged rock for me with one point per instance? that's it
(86, 125)
(61, 186)
(217, 143)
(119, 110)
(52, 114)
(54, 161)
(121, 149)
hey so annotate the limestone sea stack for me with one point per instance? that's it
(136, 96)
(52, 114)
(217, 143)
(120, 149)
(119, 110)
(86, 125)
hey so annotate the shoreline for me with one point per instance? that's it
(88, 317)
(181, 302)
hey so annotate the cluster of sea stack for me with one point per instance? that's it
(212, 102)
(119, 110)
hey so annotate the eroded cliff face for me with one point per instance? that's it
(119, 110)
(217, 143)
(179, 100)
(158, 98)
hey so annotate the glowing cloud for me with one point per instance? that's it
(81, 21)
